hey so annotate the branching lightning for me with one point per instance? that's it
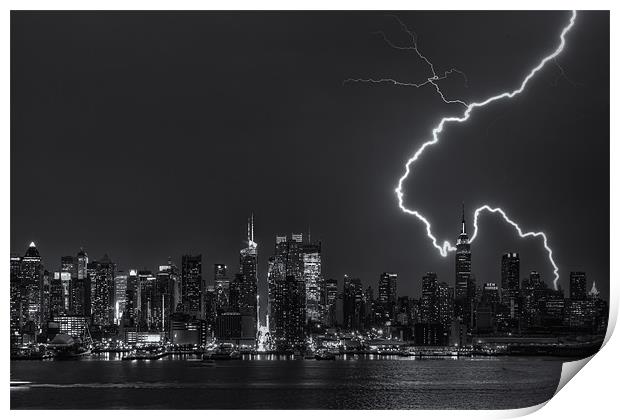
(438, 129)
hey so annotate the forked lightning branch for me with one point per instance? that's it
(433, 80)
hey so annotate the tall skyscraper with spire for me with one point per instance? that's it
(247, 284)
(251, 249)
(248, 257)
(464, 286)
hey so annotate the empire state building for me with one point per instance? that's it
(464, 289)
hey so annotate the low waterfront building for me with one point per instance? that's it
(73, 325)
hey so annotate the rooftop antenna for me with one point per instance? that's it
(251, 242)
(463, 217)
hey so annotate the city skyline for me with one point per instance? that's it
(262, 280)
(92, 305)
(442, 264)
(464, 285)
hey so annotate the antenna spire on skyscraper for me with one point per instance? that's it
(463, 217)
(251, 242)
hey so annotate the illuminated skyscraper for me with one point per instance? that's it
(490, 294)
(403, 316)
(147, 301)
(387, 296)
(510, 289)
(487, 308)
(276, 275)
(164, 301)
(435, 312)
(17, 314)
(352, 304)
(68, 265)
(369, 308)
(68, 272)
(248, 257)
(532, 288)
(120, 294)
(80, 288)
(430, 301)
(294, 313)
(102, 291)
(446, 305)
(311, 257)
(295, 264)
(246, 284)
(57, 295)
(130, 310)
(211, 307)
(191, 283)
(287, 292)
(330, 295)
(464, 286)
(276, 272)
(222, 286)
(553, 305)
(577, 286)
(510, 272)
(220, 272)
(81, 264)
(80, 297)
(46, 285)
(600, 309)
(31, 279)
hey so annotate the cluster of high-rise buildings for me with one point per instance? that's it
(514, 306)
(173, 303)
(181, 305)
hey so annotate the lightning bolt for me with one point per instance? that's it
(438, 129)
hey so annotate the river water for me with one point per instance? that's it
(106, 382)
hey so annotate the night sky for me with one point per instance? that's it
(148, 135)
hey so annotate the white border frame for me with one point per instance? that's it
(593, 394)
